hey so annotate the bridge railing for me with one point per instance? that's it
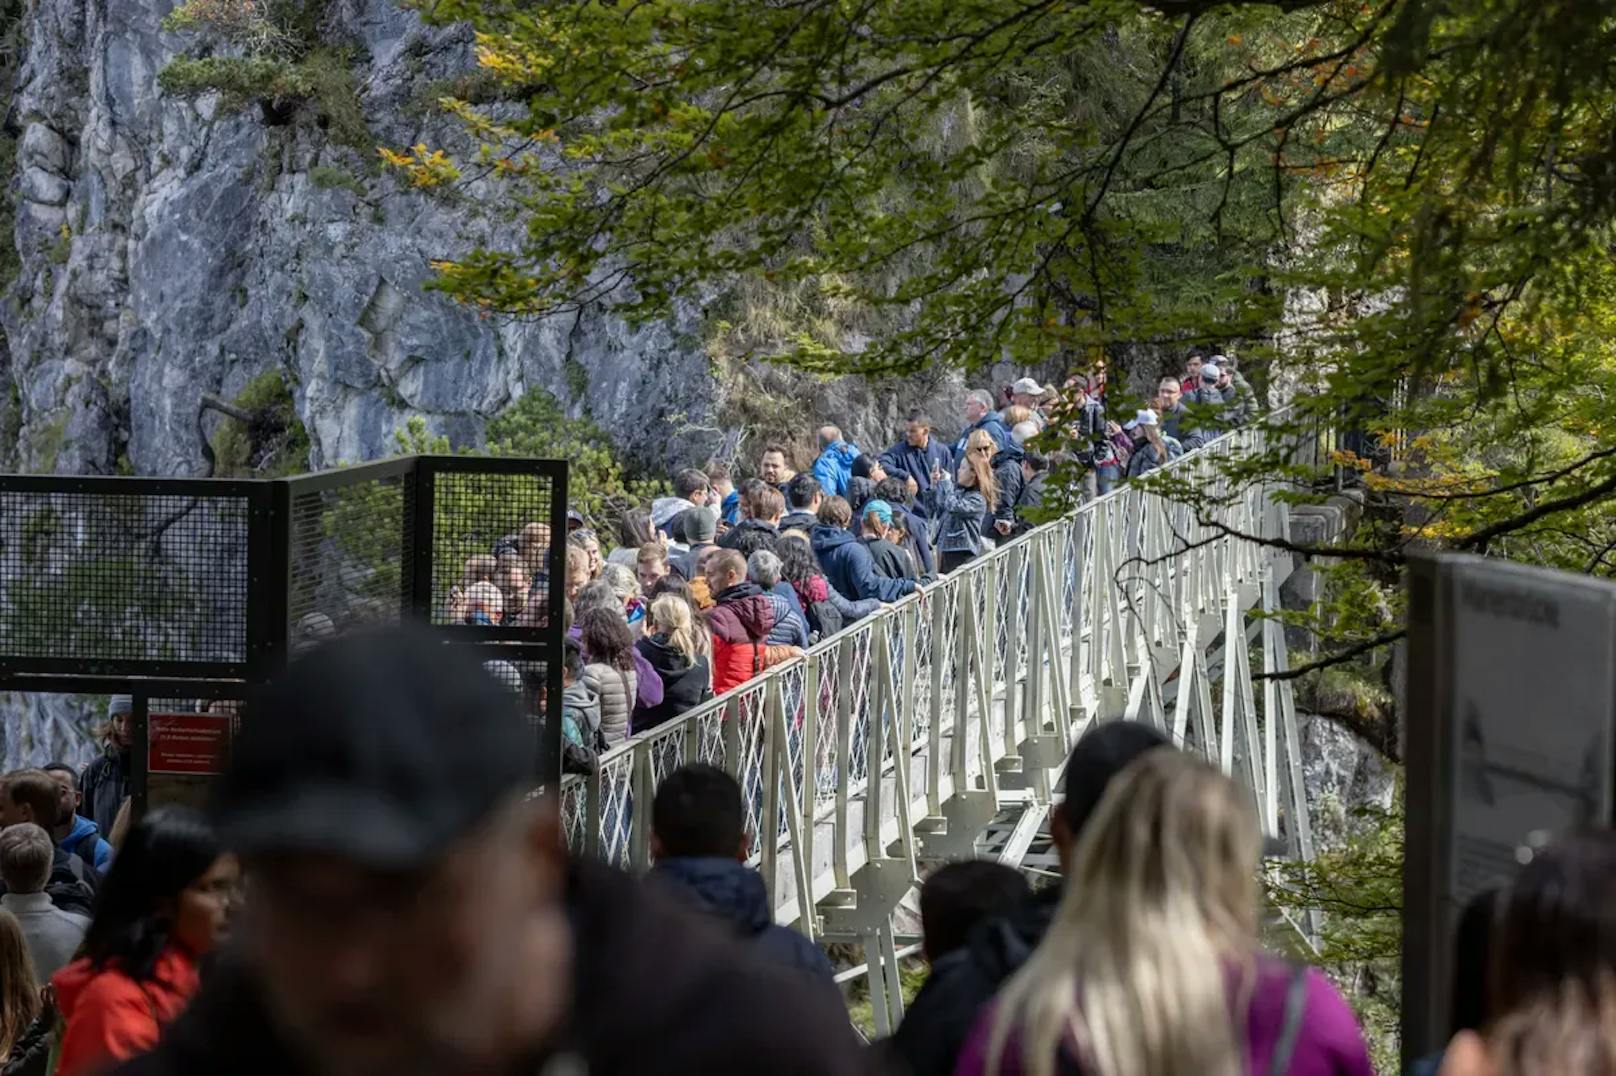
(899, 731)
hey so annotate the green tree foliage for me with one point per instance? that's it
(272, 443)
(1403, 206)
(1355, 888)
(278, 57)
(600, 485)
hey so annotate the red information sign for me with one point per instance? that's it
(187, 743)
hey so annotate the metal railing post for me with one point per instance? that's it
(769, 766)
(642, 786)
(844, 751)
(938, 610)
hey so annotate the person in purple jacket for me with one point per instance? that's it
(1152, 965)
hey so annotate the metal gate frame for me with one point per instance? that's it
(265, 642)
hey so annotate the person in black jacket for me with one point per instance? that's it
(847, 565)
(765, 507)
(875, 520)
(913, 459)
(1030, 498)
(414, 911)
(803, 494)
(1007, 476)
(700, 844)
(104, 784)
(916, 528)
(681, 654)
(958, 896)
(934, 1029)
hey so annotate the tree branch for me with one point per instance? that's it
(1479, 540)
(1356, 650)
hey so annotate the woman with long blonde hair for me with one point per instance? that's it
(1152, 966)
(960, 504)
(676, 646)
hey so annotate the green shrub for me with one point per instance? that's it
(599, 484)
(285, 62)
(241, 79)
(332, 91)
(336, 178)
(273, 443)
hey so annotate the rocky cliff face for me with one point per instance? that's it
(171, 248)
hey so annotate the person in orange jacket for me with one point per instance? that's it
(163, 906)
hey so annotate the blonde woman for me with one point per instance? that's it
(959, 505)
(674, 647)
(1154, 948)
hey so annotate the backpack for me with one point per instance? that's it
(581, 744)
(576, 758)
(827, 617)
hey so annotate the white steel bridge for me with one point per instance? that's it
(899, 741)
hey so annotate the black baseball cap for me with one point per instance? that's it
(381, 748)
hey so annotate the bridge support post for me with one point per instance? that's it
(878, 887)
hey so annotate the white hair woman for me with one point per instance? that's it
(1152, 967)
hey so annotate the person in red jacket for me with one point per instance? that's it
(164, 905)
(740, 622)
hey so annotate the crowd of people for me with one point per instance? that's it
(717, 582)
(94, 960)
(413, 910)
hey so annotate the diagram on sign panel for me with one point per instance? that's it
(1489, 772)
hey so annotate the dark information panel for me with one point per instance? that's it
(1510, 707)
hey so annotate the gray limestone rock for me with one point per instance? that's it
(172, 248)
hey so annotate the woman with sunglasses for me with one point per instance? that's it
(960, 503)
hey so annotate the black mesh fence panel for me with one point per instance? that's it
(159, 587)
(349, 555)
(491, 538)
(102, 579)
(525, 680)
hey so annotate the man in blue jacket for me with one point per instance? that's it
(835, 463)
(979, 415)
(75, 834)
(913, 458)
(700, 844)
(847, 562)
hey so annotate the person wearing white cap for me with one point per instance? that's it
(1151, 447)
(1239, 398)
(1028, 393)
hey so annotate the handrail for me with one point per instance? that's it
(891, 609)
